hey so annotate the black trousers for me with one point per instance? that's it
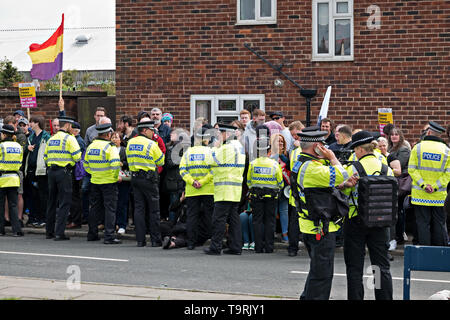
(224, 210)
(39, 197)
(11, 193)
(76, 211)
(146, 194)
(321, 268)
(431, 225)
(356, 237)
(264, 217)
(103, 199)
(60, 193)
(196, 218)
(293, 230)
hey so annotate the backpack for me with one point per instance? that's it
(377, 197)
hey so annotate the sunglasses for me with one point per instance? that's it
(276, 118)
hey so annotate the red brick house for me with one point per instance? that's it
(188, 58)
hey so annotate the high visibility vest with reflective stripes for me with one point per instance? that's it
(143, 154)
(371, 164)
(264, 172)
(295, 154)
(377, 154)
(195, 165)
(11, 155)
(429, 164)
(317, 173)
(228, 164)
(62, 149)
(102, 162)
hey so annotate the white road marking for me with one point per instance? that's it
(393, 278)
(62, 256)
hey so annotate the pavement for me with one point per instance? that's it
(17, 288)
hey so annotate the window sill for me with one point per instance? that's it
(254, 22)
(332, 59)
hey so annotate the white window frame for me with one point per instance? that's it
(332, 7)
(258, 20)
(215, 112)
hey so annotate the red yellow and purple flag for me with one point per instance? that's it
(47, 58)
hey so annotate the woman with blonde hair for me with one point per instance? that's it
(279, 153)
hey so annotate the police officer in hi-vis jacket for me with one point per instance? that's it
(144, 156)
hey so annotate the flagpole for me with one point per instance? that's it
(60, 85)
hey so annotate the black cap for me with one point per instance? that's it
(104, 128)
(312, 136)
(360, 138)
(141, 114)
(66, 119)
(311, 128)
(76, 125)
(226, 127)
(436, 127)
(276, 113)
(7, 128)
(147, 124)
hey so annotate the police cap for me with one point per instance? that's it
(226, 127)
(436, 127)
(66, 119)
(313, 136)
(360, 138)
(8, 129)
(147, 124)
(203, 132)
(104, 128)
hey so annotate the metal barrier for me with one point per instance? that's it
(423, 258)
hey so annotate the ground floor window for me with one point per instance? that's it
(223, 108)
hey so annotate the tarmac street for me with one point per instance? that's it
(32, 267)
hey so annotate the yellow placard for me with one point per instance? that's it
(385, 116)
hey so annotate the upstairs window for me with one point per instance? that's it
(256, 12)
(332, 30)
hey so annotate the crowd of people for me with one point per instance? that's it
(234, 184)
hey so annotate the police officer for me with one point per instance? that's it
(102, 162)
(61, 154)
(357, 236)
(429, 168)
(196, 171)
(317, 168)
(293, 228)
(264, 180)
(143, 156)
(228, 164)
(11, 155)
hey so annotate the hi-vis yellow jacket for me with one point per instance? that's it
(317, 174)
(228, 164)
(102, 162)
(429, 164)
(264, 172)
(11, 155)
(62, 149)
(143, 154)
(195, 165)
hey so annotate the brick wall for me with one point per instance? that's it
(47, 104)
(168, 50)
